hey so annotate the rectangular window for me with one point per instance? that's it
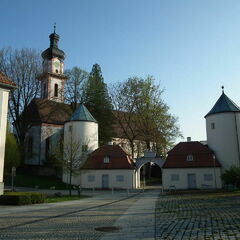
(120, 178)
(91, 178)
(106, 159)
(174, 177)
(212, 125)
(208, 177)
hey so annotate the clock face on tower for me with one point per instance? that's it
(56, 64)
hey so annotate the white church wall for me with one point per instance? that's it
(139, 146)
(177, 178)
(49, 131)
(222, 137)
(3, 125)
(33, 154)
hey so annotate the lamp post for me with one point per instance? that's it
(214, 167)
(13, 175)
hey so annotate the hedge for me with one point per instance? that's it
(21, 198)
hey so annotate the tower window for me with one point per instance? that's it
(56, 90)
(212, 125)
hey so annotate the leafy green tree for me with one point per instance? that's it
(142, 114)
(74, 86)
(99, 104)
(232, 176)
(12, 154)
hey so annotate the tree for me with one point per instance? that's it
(142, 114)
(99, 104)
(22, 67)
(75, 85)
(12, 154)
(68, 156)
(232, 176)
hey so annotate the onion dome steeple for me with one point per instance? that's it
(53, 50)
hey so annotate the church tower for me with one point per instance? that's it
(52, 78)
(223, 131)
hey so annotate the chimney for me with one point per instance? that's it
(188, 139)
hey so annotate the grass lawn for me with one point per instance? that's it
(53, 199)
(32, 181)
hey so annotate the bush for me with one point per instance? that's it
(232, 176)
(21, 198)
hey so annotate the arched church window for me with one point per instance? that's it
(44, 90)
(56, 90)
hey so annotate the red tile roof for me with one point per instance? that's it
(202, 156)
(4, 80)
(51, 112)
(118, 158)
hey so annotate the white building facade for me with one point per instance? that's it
(5, 86)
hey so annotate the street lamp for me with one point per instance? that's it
(214, 167)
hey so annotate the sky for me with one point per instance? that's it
(191, 47)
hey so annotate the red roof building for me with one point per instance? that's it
(190, 155)
(109, 157)
(5, 82)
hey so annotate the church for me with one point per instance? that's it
(188, 165)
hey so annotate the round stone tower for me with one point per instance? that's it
(223, 131)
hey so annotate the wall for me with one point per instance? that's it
(223, 139)
(34, 158)
(3, 125)
(49, 131)
(40, 134)
(139, 146)
(82, 133)
(128, 174)
(182, 183)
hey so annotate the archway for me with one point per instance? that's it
(150, 175)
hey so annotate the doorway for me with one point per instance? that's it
(192, 183)
(105, 181)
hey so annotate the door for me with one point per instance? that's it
(192, 181)
(105, 181)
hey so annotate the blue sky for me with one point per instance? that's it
(191, 47)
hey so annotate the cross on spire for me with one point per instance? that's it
(54, 27)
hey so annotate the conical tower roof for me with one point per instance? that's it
(82, 114)
(224, 104)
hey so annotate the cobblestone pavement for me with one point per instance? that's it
(202, 217)
(71, 221)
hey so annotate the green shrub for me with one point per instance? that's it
(38, 197)
(232, 176)
(21, 198)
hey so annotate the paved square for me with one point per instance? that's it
(198, 216)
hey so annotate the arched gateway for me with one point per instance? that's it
(149, 157)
